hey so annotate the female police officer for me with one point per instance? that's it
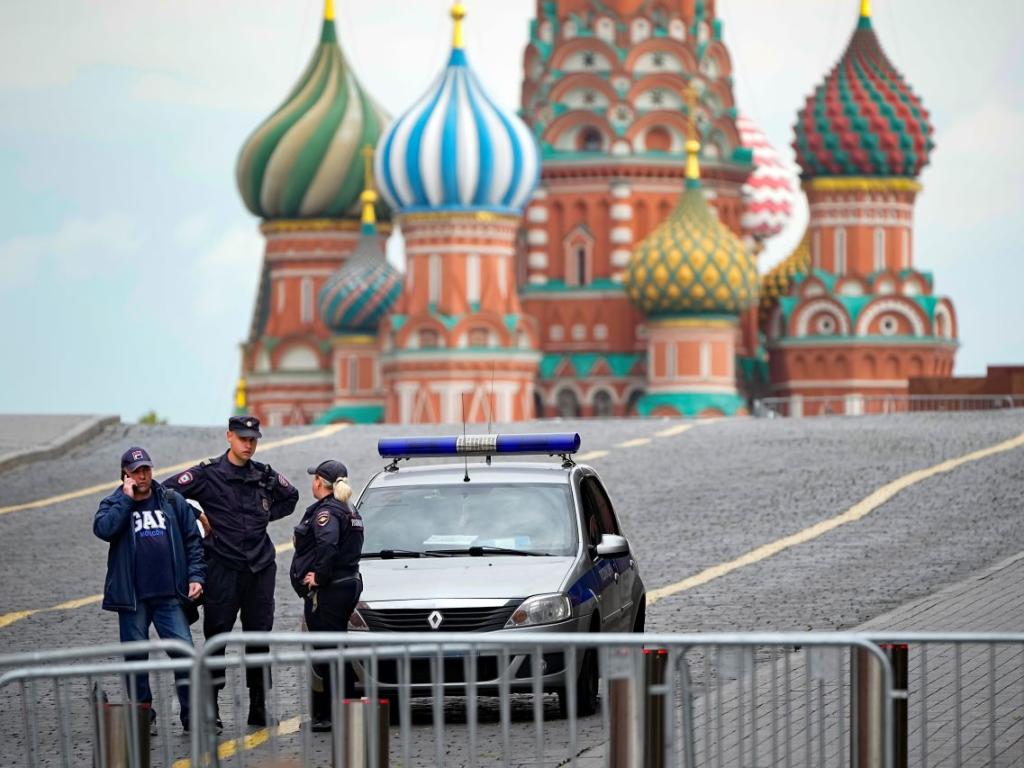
(325, 568)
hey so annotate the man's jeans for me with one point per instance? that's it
(166, 615)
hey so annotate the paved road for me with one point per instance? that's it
(687, 502)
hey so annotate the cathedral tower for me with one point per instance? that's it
(458, 169)
(692, 278)
(601, 93)
(855, 318)
(302, 173)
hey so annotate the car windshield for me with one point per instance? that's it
(537, 519)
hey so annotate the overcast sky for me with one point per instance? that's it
(128, 264)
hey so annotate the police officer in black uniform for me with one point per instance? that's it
(239, 497)
(325, 568)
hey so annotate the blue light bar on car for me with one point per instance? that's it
(552, 444)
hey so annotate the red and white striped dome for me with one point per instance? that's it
(768, 192)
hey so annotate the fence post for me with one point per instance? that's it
(358, 749)
(867, 738)
(624, 683)
(114, 735)
(654, 706)
(898, 653)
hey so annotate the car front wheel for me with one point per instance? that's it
(586, 687)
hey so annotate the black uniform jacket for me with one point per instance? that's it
(239, 503)
(328, 542)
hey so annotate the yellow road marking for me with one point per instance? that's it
(591, 455)
(634, 443)
(678, 429)
(252, 740)
(859, 510)
(10, 618)
(109, 486)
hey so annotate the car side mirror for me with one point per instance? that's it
(612, 546)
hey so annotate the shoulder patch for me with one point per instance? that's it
(185, 478)
(323, 518)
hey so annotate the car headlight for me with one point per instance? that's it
(540, 609)
(356, 622)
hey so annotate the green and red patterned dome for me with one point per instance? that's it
(303, 161)
(864, 119)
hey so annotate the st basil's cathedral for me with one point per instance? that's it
(596, 252)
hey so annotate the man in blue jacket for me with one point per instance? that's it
(155, 562)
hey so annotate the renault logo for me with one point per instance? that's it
(434, 619)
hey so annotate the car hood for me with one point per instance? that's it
(437, 580)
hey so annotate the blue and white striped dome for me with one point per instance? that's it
(456, 150)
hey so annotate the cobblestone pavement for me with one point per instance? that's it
(687, 502)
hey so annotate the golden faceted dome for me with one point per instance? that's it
(691, 264)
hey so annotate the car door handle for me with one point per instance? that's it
(616, 576)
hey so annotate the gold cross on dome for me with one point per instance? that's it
(690, 96)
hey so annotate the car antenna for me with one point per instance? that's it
(490, 411)
(463, 398)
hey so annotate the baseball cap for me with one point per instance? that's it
(245, 426)
(134, 458)
(329, 470)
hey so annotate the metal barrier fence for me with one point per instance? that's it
(66, 715)
(875, 405)
(716, 700)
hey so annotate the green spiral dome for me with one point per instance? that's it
(303, 162)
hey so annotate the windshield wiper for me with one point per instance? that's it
(482, 550)
(390, 554)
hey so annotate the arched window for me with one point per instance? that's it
(580, 265)
(879, 249)
(658, 139)
(603, 404)
(589, 140)
(567, 404)
(840, 251)
(429, 338)
(479, 337)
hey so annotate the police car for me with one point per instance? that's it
(494, 547)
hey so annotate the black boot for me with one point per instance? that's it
(257, 707)
(320, 712)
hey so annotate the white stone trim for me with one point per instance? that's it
(621, 212)
(620, 257)
(807, 311)
(537, 237)
(537, 260)
(882, 306)
(621, 235)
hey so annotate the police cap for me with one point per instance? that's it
(329, 470)
(245, 426)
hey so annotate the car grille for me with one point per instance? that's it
(455, 619)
